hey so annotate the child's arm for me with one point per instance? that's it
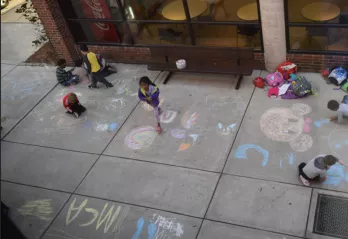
(155, 95)
(141, 96)
(341, 162)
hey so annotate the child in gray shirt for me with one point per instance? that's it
(341, 108)
(315, 169)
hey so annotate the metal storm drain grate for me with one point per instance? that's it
(331, 216)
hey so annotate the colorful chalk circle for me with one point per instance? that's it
(141, 137)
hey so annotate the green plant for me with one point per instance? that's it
(29, 12)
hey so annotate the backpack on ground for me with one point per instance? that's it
(338, 76)
(345, 99)
(301, 87)
(275, 79)
(344, 87)
(286, 69)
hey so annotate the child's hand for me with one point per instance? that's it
(332, 118)
(148, 99)
(341, 162)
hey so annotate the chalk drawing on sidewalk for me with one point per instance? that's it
(242, 149)
(183, 147)
(189, 119)
(287, 125)
(178, 133)
(41, 209)
(167, 116)
(141, 137)
(338, 142)
(194, 138)
(225, 130)
(167, 227)
(321, 122)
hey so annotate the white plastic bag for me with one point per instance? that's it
(181, 64)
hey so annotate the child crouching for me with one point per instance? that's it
(315, 170)
(72, 105)
(64, 77)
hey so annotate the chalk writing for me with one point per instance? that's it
(41, 209)
(109, 216)
(242, 149)
(140, 225)
(141, 137)
(167, 226)
(287, 125)
(167, 116)
(178, 133)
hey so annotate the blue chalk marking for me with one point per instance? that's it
(151, 230)
(140, 225)
(231, 126)
(335, 175)
(337, 146)
(318, 123)
(346, 142)
(220, 125)
(291, 159)
(241, 152)
(113, 126)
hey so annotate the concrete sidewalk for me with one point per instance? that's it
(223, 166)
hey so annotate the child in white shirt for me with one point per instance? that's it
(315, 169)
(341, 108)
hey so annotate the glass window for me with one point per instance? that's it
(100, 32)
(98, 9)
(164, 34)
(318, 11)
(318, 38)
(228, 36)
(223, 10)
(147, 9)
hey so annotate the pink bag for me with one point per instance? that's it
(275, 79)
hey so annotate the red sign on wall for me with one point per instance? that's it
(99, 10)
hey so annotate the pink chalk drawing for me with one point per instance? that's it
(141, 137)
(307, 126)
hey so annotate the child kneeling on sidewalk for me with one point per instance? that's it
(64, 77)
(72, 105)
(315, 169)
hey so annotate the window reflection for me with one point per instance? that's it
(318, 38)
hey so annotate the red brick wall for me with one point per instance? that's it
(56, 29)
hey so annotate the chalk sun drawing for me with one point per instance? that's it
(337, 141)
(141, 137)
(41, 209)
(242, 149)
(167, 116)
(288, 125)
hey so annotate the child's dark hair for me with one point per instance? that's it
(78, 63)
(146, 80)
(333, 105)
(61, 62)
(84, 47)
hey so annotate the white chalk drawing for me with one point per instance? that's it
(141, 137)
(57, 131)
(287, 125)
(148, 107)
(41, 209)
(167, 227)
(115, 104)
(338, 143)
(19, 90)
(189, 119)
(111, 216)
(194, 138)
(167, 116)
(38, 115)
(225, 130)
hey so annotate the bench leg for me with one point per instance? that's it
(167, 78)
(238, 82)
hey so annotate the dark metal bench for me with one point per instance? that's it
(216, 60)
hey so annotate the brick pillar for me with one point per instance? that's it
(273, 30)
(56, 29)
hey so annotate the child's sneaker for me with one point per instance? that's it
(76, 114)
(159, 130)
(304, 181)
